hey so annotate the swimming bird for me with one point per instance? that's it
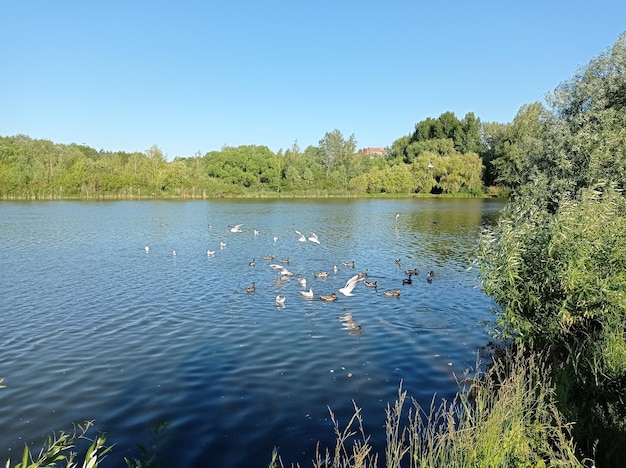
(251, 289)
(321, 274)
(256, 232)
(350, 284)
(351, 264)
(252, 263)
(313, 238)
(210, 253)
(431, 275)
(275, 239)
(407, 280)
(301, 238)
(284, 260)
(335, 269)
(393, 293)
(147, 249)
(173, 253)
(329, 298)
(371, 284)
(302, 282)
(307, 294)
(414, 271)
(398, 261)
(235, 228)
(363, 274)
(397, 216)
(280, 300)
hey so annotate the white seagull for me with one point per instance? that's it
(210, 253)
(280, 300)
(347, 289)
(313, 238)
(301, 238)
(222, 244)
(235, 228)
(283, 271)
(147, 249)
(302, 281)
(307, 294)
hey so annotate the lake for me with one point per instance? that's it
(94, 327)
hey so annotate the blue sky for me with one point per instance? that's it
(193, 76)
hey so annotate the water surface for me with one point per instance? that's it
(93, 327)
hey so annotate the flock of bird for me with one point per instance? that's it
(346, 290)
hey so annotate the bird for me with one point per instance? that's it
(431, 275)
(302, 282)
(329, 298)
(284, 260)
(321, 274)
(222, 244)
(397, 216)
(350, 284)
(407, 280)
(351, 264)
(363, 274)
(251, 289)
(256, 232)
(313, 238)
(283, 271)
(301, 238)
(268, 257)
(252, 263)
(393, 293)
(280, 300)
(398, 261)
(307, 294)
(147, 249)
(275, 239)
(335, 269)
(235, 228)
(371, 284)
(414, 271)
(210, 253)
(173, 253)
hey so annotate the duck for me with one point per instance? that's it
(321, 274)
(414, 271)
(398, 261)
(235, 228)
(307, 294)
(431, 275)
(329, 298)
(251, 289)
(351, 264)
(363, 274)
(350, 284)
(313, 238)
(371, 284)
(252, 263)
(280, 300)
(284, 260)
(407, 280)
(393, 293)
(268, 257)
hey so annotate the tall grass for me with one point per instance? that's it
(507, 417)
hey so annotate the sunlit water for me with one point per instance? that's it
(93, 327)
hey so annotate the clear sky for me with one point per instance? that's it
(192, 76)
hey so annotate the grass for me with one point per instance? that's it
(506, 418)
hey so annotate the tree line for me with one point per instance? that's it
(442, 155)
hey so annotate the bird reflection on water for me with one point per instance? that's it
(349, 324)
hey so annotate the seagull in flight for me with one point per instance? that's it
(235, 228)
(350, 284)
(283, 271)
(313, 238)
(301, 238)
